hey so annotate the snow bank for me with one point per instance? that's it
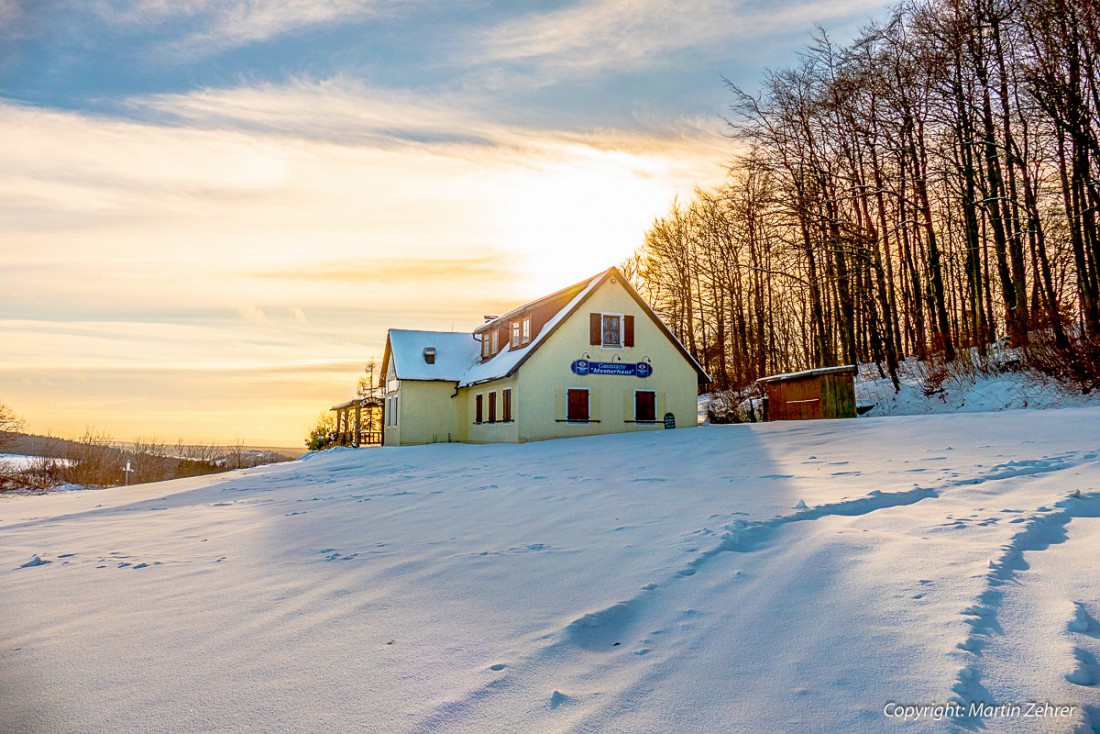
(803, 576)
(966, 393)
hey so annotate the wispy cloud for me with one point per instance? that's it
(413, 272)
(613, 35)
(340, 109)
(213, 25)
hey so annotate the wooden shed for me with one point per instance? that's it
(828, 392)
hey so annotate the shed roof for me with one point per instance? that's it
(362, 402)
(844, 369)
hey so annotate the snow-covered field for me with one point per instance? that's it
(787, 577)
(21, 462)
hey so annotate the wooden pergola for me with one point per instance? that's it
(359, 422)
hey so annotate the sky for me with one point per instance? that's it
(212, 210)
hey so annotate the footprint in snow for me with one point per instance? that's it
(1087, 672)
(497, 667)
(37, 560)
(1082, 622)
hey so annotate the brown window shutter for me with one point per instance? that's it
(506, 405)
(595, 335)
(478, 413)
(628, 331)
(493, 407)
(577, 406)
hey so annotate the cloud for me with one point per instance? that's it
(207, 26)
(412, 272)
(338, 109)
(594, 36)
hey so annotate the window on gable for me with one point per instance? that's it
(612, 330)
(494, 342)
(484, 347)
(506, 404)
(478, 414)
(527, 330)
(493, 406)
(515, 334)
(606, 330)
(576, 405)
(645, 405)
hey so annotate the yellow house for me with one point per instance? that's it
(591, 358)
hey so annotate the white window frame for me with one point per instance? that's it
(494, 342)
(649, 390)
(484, 347)
(526, 336)
(515, 334)
(622, 327)
(511, 405)
(578, 422)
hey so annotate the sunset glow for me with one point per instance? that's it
(210, 216)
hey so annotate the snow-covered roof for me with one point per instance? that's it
(849, 369)
(458, 355)
(455, 353)
(508, 359)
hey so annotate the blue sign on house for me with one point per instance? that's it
(627, 369)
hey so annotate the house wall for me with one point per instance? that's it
(539, 388)
(485, 432)
(425, 414)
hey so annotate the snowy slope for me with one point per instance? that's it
(964, 392)
(767, 578)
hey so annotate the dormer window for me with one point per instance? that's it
(494, 345)
(484, 347)
(526, 330)
(515, 334)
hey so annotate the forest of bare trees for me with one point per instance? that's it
(929, 189)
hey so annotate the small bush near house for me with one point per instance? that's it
(320, 436)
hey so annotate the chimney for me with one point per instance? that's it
(429, 355)
(489, 318)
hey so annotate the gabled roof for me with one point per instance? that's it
(458, 354)
(507, 361)
(455, 352)
(527, 307)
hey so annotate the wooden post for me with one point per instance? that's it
(358, 424)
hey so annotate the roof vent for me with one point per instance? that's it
(489, 318)
(429, 355)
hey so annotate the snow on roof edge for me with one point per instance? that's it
(843, 369)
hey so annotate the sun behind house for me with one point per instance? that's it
(591, 358)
